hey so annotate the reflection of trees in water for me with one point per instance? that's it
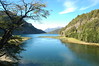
(12, 51)
(85, 52)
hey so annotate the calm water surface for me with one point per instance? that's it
(52, 52)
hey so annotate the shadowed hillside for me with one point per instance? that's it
(26, 28)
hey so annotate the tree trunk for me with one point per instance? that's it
(5, 38)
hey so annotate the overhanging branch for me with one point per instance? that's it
(5, 10)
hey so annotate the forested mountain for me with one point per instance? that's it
(84, 27)
(26, 28)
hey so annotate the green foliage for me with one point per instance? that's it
(16, 40)
(87, 27)
(7, 23)
(16, 37)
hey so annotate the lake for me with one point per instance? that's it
(53, 52)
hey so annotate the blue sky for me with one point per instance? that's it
(63, 11)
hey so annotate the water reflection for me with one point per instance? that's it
(86, 53)
(52, 52)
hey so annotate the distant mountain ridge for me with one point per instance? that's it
(52, 29)
(55, 31)
(84, 27)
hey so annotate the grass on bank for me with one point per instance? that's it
(17, 39)
(71, 40)
(22, 39)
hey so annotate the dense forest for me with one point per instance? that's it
(84, 27)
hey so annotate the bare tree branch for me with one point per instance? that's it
(5, 10)
(2, 28)
(16, 13)
(2, 54)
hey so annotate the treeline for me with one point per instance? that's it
(84, 27)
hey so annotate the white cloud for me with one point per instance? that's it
(68, 10)
(93, 3)
(84, 8)
(74, 5)
(69, 7)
